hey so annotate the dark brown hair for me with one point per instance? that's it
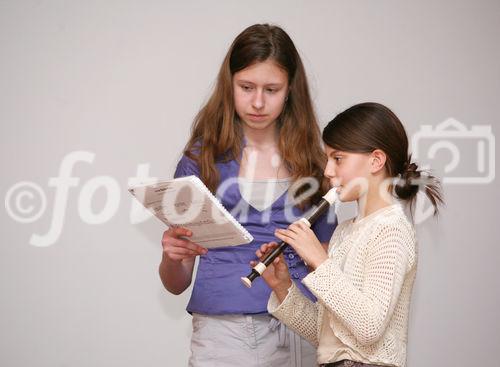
(366, 127)
(216, 132)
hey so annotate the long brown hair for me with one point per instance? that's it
(216, 132)
(366, 127)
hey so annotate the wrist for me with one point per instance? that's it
(167, 260)
(318, 262)
(281, 290)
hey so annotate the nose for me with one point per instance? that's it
(330, 169)
(331, 173)
(258, 99)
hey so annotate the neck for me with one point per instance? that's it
(371, 202)
(264, 138)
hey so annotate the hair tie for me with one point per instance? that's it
(410, 167)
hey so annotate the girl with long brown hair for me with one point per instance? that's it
(363, 281)
(256, 144)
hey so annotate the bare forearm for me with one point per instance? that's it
(176, 275)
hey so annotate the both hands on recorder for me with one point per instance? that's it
(304, 242)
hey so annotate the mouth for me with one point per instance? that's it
(334, 183)
(256, 117)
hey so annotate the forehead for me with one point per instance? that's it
(265, 72)
(329, 150)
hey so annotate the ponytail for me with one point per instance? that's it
(412, 180)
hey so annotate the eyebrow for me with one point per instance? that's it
(334, 151)
(267, 85)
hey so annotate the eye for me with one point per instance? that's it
(246, 88)
(271, 90)
(337, 159)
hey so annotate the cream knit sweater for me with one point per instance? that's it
(363, 292)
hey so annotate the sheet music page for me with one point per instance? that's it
(183, 202)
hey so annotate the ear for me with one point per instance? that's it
(377, 160)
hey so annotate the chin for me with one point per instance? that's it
(345, 198)
(261, 125)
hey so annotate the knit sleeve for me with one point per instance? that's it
(298, 312)
(366, 312)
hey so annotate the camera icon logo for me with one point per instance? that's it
(458, 155)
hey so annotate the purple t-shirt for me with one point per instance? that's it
(217, 288)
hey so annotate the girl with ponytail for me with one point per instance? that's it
(363, 282)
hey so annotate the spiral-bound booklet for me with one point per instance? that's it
(187, 202)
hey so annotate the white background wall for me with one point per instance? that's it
(123, 80)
